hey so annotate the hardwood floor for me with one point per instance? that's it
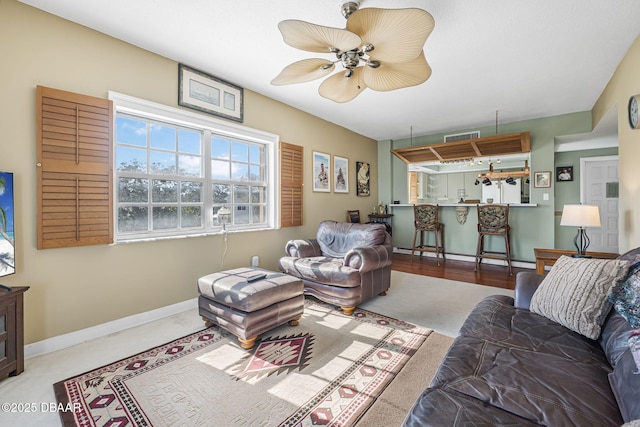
(463, 271)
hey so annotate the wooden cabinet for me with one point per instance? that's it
(12, 331)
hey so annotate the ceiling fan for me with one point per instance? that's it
(380, 49)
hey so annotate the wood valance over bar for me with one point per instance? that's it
(498, 145)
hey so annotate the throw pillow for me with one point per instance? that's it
(575, 293)
(634, 346)
(625, 296)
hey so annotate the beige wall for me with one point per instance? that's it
(625, 83)
(76, 288)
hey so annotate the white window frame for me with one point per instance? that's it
(125, 104)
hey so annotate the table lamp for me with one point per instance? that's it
(581, 216)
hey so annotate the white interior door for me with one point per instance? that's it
(599, 186)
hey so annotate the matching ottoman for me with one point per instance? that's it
(249, 308)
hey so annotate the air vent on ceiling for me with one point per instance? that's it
(462, 136)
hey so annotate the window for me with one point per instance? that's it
(174, 170)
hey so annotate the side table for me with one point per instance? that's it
(382, 218)
(12, 331)
(548, 257)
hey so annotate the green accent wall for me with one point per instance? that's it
(569, 192)
(531, 226)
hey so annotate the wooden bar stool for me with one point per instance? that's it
(425, 221)
(493, 220)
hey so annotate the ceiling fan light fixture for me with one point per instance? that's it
(389, 76)
(398, 35)
(340, 89)
(388, 41)
(303, 71)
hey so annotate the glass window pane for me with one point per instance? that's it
(221, 193)
(163, 163)
(133, 218)
(219, 148)
(255, 154)
(191, 192)
(258, 195)
(241, 214)
(220, 170)
(240, 172)
(131, 159)
(254, 173)
(240, 151)
(191, 216)
(241, 194)
(162, 137)
(189, 165)
(165, 217)
(258, 215)
(131, 132)
(189, 141)
(133, 190)
(163, 191)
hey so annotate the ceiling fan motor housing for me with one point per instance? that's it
(348, 8)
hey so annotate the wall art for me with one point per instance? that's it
(202, 92)
(340, 174)
(362, 178)
(321, 172)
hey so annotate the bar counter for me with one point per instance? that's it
(460, 231)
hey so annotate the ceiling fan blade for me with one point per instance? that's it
(398, 35)
(390, 76)
(317, 38)
(341, 89)
(303, 71)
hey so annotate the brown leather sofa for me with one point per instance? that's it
(345, 265)
(509, 366)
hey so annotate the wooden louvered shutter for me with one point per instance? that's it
(74, 164)
(291, 181)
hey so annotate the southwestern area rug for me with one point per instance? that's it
(328, 370)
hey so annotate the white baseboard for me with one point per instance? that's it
(471, 258)
(67, 340)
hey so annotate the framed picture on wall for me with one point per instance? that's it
(362, 179)
(321, 172)
(542, 179)
(340, 174)
(203, 92)
(564, 173)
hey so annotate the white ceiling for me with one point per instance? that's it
(527, 59)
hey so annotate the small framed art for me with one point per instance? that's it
(564, 173)
(362, 179)
(340, 174)
(542, 179)
(321, 172)
(202, 92)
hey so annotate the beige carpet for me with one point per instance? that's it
(391, 408)
(328, 370)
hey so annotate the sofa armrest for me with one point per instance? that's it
(368, 258)
(302, 248)
(526, 284)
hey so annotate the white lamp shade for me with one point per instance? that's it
(580, 216)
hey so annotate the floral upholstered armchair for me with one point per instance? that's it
(345, 265)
